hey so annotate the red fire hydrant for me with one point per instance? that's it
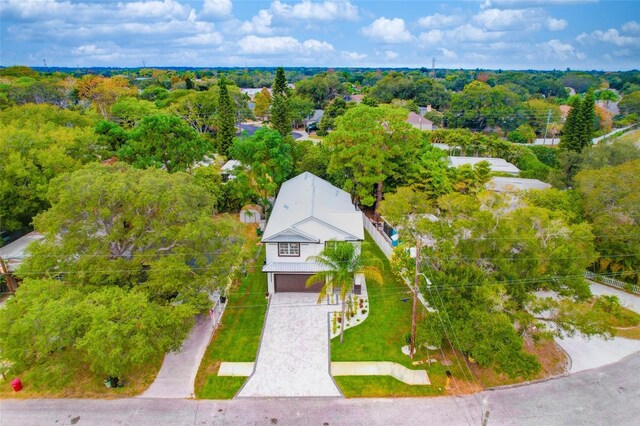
(16, 384)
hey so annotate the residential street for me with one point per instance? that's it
(609, 395)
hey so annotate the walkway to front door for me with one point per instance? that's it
(293, 359)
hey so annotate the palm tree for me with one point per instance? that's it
(340, 262)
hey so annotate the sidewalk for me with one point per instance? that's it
(177, 376)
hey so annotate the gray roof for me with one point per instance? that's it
(309, 208)
(308, 267)
(513, 184)
(317, 115)
(14, 253)
(497, 164)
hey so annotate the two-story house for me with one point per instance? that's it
(308, 213)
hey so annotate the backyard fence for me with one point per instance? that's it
(381, 239)
(633, 288)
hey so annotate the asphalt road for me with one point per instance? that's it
(606, 396)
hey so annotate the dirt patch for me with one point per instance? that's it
(553, 360)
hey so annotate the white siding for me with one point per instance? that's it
(306, 250)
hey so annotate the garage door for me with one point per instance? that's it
(295, 283)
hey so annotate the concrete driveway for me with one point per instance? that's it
(587, 353)
(293, 359)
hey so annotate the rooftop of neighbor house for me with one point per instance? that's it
(513, 184)
(14, 252)
(497, 164)
(417, 119)
(230, 165)
(307, 206)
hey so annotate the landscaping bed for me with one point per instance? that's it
(237, 338)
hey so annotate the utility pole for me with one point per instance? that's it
(433, 67)
(544, 141)
(416, 282)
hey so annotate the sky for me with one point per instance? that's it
(493, 34)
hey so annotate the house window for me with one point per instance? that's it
(289, 249)
(330, 245)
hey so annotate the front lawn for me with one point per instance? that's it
(381, 337)
(237, 338)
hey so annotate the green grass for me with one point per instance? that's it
(237, 338)
(380, 338)
(383, 387)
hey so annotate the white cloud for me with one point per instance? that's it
(471, 33)
(500, 19)
(447, 54)
(609, 36)
(631, 27)
(88, 49)
(353, 55)
(216, 8)
(390, 54)
(204, 39)
(556, 24)
(555, 49)
(328, 10)
(390, 31)
(431, 37)
(259, 24)
(275, 45)
(439, 21)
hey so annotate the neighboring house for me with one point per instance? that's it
(610, 106)
(353, 98)
(227, 170)
(15, 252)
(317, 116)
(497, 164)
(307, 214)
(514, 184)
(564, 111)
(252, 91)
(419, 122)
(251, 213)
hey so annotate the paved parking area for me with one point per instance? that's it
(293, 359)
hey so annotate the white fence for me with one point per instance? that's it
(380, 238)
(612, 282)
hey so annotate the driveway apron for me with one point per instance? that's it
(293, 359)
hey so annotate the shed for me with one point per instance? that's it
(497, 164)
(251, 213)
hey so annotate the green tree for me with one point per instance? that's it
(128, 111)
(341, 262)
(38, 143)
(570, 139)
(269, 162)
(301, 108)
(146, 229)
(371, 146)
(280, 111)
(125, 329)
(630, 103)
(588, 120)
(263, 103)
(612, 203)
(226, 119)
(479, 106)
(164, 140)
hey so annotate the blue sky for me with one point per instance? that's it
(506, 34)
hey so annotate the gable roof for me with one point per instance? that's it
(308, 209)
(417, 120)
(497, 164)
(513, 184)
